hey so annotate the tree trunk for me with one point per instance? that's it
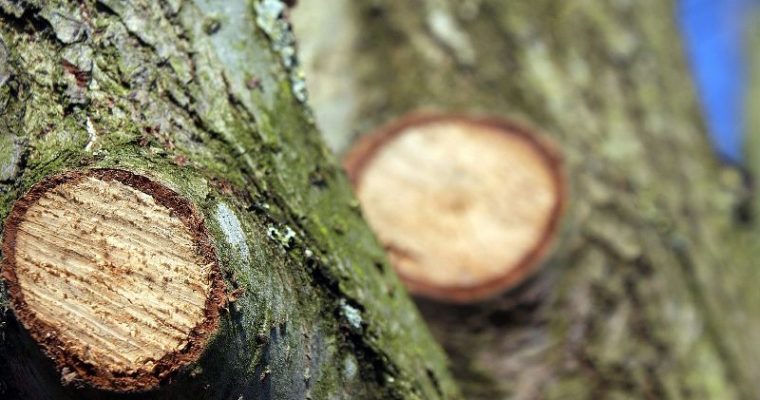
(651, 293)
(190, 114)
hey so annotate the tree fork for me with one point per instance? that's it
(125, 124)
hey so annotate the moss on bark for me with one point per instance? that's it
(206, 97)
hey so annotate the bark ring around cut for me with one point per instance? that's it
(467, 207)
(114, 276)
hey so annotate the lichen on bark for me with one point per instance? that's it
(195, 95)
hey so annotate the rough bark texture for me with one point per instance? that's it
(652, 293)
(206, 98)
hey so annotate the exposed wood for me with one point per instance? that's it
(113, 276)
(466, 207)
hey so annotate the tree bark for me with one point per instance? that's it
(206, 98)
(651, 292)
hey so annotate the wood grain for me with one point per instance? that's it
(458, 204)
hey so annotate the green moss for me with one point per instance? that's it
(151, 91)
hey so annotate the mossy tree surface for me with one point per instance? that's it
(649, 294)
(205, 98)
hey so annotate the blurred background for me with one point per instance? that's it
(651, 292)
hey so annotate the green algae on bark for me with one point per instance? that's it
(216, 115)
